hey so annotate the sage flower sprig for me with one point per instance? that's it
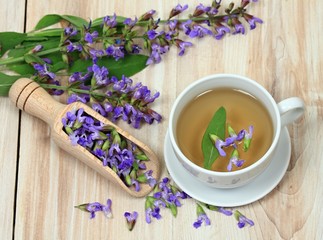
(125, 158)
(88, 51)
(201, 217)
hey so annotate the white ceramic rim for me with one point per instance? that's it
(240, 171)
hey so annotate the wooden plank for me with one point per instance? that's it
(12, 19)
(284, 54)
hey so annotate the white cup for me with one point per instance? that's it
(283, 113)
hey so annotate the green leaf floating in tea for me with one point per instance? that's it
(216, 127)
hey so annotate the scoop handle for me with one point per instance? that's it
(29, 96)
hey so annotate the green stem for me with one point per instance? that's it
(76, 90)
(22, 58)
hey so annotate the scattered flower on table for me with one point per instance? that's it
(242, 220)
(95, 207)
(201, 217)
(131, 219)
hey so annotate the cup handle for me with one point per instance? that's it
(290, 110)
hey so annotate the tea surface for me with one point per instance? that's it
(242, 110)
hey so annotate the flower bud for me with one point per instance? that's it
(146, 16)
(213, 138)
(106, 145)
(173, 209)
(141, 157)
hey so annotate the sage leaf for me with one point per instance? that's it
(33, 58)
(9, 40)
(52, 32)
(21, 68)
(28, 46)
(5, 83)
(58, 66)
(52, 19)
(217, 127)
(128, 66)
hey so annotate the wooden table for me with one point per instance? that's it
(40, 183)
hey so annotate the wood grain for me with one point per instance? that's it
(12, 19)
(285, 55)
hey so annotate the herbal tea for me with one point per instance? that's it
(242, 110)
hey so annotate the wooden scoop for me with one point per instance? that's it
(30, 97)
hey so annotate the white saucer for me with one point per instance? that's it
(258, 188)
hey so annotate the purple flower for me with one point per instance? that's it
(156, 52)
(77, 77)
(93, 208)
(76, 97)
(234, 160)
(136, 184)
(116, 52)
(201, 9)
(224, 211)
(47, 60)
(213, 11)
(100, 75)
(152, 213)
(70, 31)
(95, 54)
(219, 144)
(201, 217)
(72, 47)
(69, 120)
(172, 24)
(107, 209)
(152, 34)
(37, 48)
(98, 108)
(177, 10)
(90, 37)
(147, 178)
(114, 149)
(131, 219)
(186, 26)
(160, 203)
(239, 28)
(74, 137)
(129, 22)
(146, 16)
(43, 71)
(110, 21)
(199, 31)
(242, 220)
(117, 112)
(126, 161)
(156, 116)
(182, 46)
(252, 20)
(221, 31)
(244, 3)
